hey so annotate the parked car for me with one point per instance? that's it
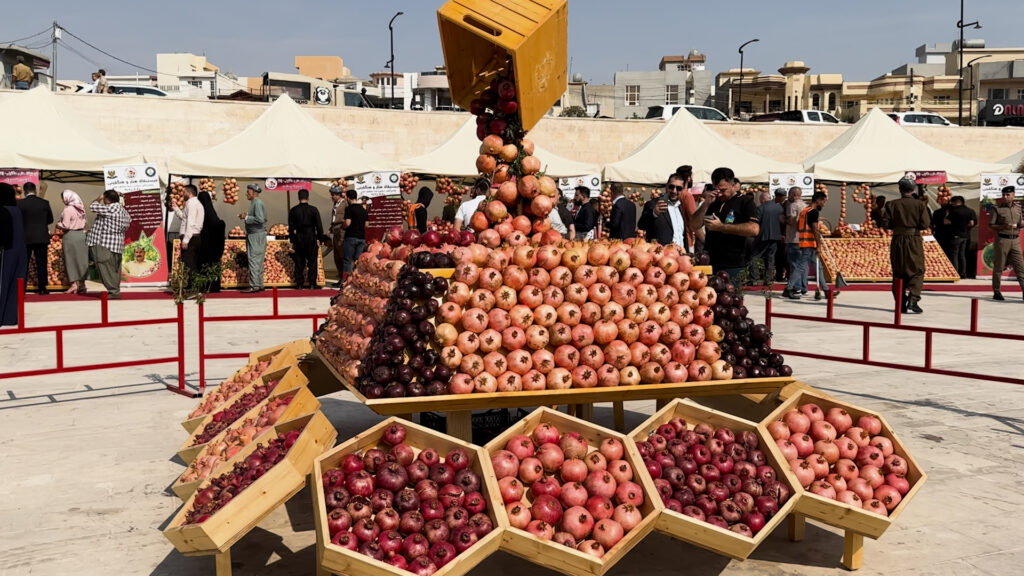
(130, 89)
(919, 118)
(809, 116)
(701, 112)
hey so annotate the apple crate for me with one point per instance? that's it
(297, 348)
(833, 512)
(247, 509)
(338, 560)
(481, 38)
(697, 532)
(303, 403)
(279, 358)
(288, 378)
(555, 556)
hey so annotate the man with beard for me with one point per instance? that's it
(729, 220)
(662, 218)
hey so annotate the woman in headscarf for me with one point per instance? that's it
(418, 211)
(76, 252)
(13, 255)
(211, 248)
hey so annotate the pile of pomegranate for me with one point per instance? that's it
(278, 263)
(178, 194)
(869, 258)
(834, 459)
(220, 490)
(224, 418)
(238, 436)
(278, 230)
(744, 345)
(407, 182)
(237, 233)
(56, 271)
(714, 475)
(413, 511)
(557, 487)
(397, 237)
(228, 388)
(208, 185)
(230, 190)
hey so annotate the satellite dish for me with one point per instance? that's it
(577, 77)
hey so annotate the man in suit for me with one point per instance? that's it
(584, 216)
(623, 218)
(37, 216)
(662, 218)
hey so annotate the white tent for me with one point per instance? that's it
(876, 149)
(1014, 160)
(39, 134)
(686, 140)
(457, 155)
(284, 142)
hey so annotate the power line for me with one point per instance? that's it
(46, 31)
(108, 54)
(78, 53)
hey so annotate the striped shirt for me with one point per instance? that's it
(108, 230)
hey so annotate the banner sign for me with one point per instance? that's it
(991, 192)
(802, 180)
(382, 215)
(17, 177)
(144, 260)
(377, 184)
(287, 184)
(927, 176)
(568, 184)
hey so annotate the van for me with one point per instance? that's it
(130, 89)
(700, 112)
(807, 116)
(919, 118)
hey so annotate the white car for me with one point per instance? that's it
(807, 116)
(919, 118)
(701, 112)
(130, 89)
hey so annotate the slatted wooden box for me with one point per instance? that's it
(338, 560)
(834, 512)
(698, 532)
(298, 349)
(479, 37)
(556, 556)
(249, 507)
(288, 378)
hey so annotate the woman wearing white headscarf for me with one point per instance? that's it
(76, 252)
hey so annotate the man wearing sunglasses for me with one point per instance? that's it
(662, 218)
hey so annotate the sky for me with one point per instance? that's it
(605, 36)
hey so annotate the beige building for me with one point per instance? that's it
(188, 75)
(323, 67)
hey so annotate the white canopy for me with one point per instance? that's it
(457, 157)
(284, 142)
(876, 149)
(686, 140)
(40, 134)
(1014, 160)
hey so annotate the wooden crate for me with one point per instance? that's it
(701, 533)
(338, 560)
(288, 377)
(252, 505)
(555, 556)
(480, 37)
(834, 512)
(298, 349)
(278, 358)
(302, 404)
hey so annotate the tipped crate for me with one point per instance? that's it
(250, 506)
(297, 348)
(698, 532)
(481, 38)
(302, 404)
(555, 556)
(338, 560)
(834, 512)
(278, 358)
(288, 378)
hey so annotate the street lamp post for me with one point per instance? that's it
(960, 69)
(739, 99)
(971, 99)
(391, 62)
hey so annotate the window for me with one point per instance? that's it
(632, 95)
(942, 99)
(815, 101)
(832, 101)
(1020, 93)
(672, 94)
(196, 83)
(826, 117)
(998, 93)
(813, 117)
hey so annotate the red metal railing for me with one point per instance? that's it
(928, 331)
(275, 315)
(59, 331)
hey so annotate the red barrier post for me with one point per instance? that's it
(974, 314)
(202, 349)
(103, 307)
(275, 299)
(21, 303)
(928, 350)
(767, 313)
(59, 337)
(181, 346)
(866, 343)
(830, 311)
(898, 296)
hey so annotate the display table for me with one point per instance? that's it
(57, 273)
(867, 260)
(278, 267)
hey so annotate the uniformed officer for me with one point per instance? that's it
(1006, 220)
(337, 230)
(304, 231)
(906, 217)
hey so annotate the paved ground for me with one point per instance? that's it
(86, 457)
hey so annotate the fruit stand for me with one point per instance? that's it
(278, 266)
(867, 260)
(56, 272)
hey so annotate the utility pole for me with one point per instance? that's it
(53, 58)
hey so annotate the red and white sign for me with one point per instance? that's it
(287, 184)
(927, 176)
(17, 177)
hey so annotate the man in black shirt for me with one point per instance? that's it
(959, 219)
(355, 232)
(729, 218)
(622, 222)
(304, 231)
(584, 215)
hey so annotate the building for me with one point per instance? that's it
(678, 80)
(330, 68)
(37, 62)
(432, 91)
(187, 75)
(993, 86)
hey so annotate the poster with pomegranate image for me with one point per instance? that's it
(144, 260)
(17, 177)
(991, 193)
